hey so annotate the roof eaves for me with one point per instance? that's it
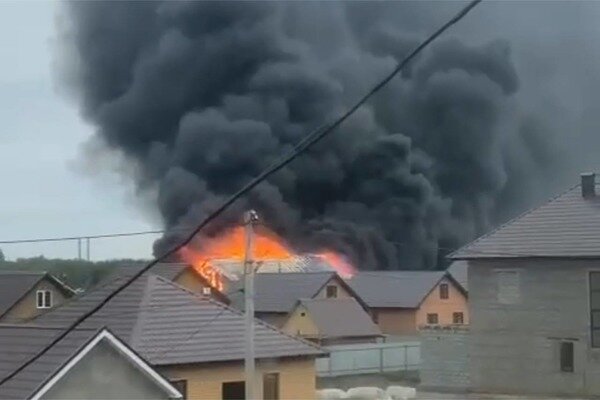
(25, 293)
(238, 312)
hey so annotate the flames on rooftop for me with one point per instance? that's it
(224, 256)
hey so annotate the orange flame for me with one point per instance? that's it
(339, 263)
(231, 245)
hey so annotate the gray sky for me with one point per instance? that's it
(44, 195)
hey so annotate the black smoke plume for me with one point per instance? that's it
(202, 96)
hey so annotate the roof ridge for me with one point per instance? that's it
(142, 311)
(238, 312)
(510, 221)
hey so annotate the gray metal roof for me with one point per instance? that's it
(20, 343)
(279, 292)
(394, 289)
(233, 269)
(459, 271)
(167, 324)
(15, 285)
(566, 226)
(342, 317)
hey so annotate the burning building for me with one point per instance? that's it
(220, 260)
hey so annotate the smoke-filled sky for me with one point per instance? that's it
(187, 101)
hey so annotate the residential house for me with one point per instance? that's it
(194, 340)
(534, 293)
(85, 364)
(184, 275)
(332, 321)
(24, 295)
(276, 294)
(402, 301)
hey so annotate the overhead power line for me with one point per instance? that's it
(304, 144)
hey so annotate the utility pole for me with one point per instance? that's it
(250, 218)
(79, 248)
(88, 248)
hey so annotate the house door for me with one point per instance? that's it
(233, 390)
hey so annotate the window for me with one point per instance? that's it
(566, 357)
(458, 318)
(44, 299)
(271, 386)
(331, 292)
(233, 390)
(508, 287)
(181, 386)
(444, 291)
(595, 308)
(432, 319)
(206, 291)
(303, 314)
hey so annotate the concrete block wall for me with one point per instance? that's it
(445, 358)
(514, 348)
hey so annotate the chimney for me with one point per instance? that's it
(588, 185)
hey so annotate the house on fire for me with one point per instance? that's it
(534, 292)
(276, 294)
(193, 340)
(184, 275)
(402, 301)
(24, 295)
(85, 364)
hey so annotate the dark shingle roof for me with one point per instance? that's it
(342, 317)
(566, 226)
(401, 289)
(279, 292)
(459, 271)
(15, 285)
(20, 343)
(167, 324)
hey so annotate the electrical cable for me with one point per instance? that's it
(302, 146)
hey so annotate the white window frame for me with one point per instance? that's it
(206, 291)
(43, 293)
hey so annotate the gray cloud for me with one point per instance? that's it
(202, 96)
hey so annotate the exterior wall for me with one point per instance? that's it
(26, 308)
(396, 321)
(301, 325)
(104, 374)
(444, 359)
(444, 308)
(515, 347)
(189, 280)
(297, 377)
(275, 319)
(341, 291)
(194, 283)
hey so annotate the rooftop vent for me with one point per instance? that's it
(588, 185)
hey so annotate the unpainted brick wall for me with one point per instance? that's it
(444, 358)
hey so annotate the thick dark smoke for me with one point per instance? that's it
(202, 96)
